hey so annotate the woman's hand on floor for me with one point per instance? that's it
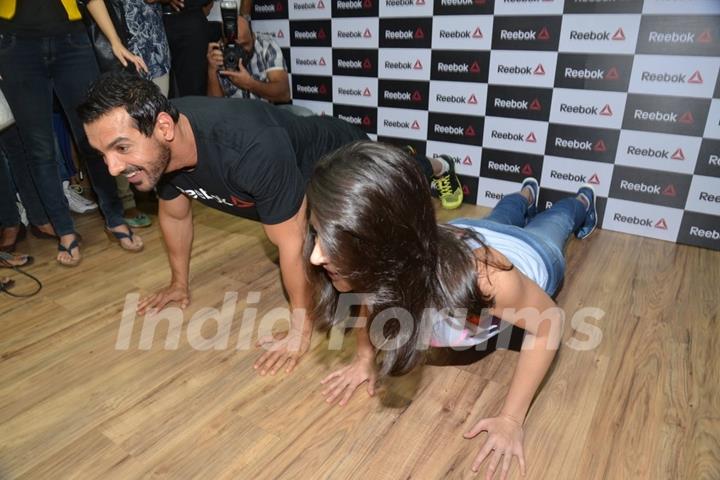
(504, 440)
(283, 352)
(342, 383)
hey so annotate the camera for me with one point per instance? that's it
(231, 51)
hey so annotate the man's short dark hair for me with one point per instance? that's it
(140, 98)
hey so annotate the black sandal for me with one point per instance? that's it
(117, 237)
(7, 260)
(37, 233)
(62, 248)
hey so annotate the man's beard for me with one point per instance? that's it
(155, 169)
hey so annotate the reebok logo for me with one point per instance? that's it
(517, 137)
(574, 144)
(417, 65)
(515, 104)
(403, 96)
(695, 77)
(704, 233)
(640, 187)
(447, 127)
(469, 131)
(564, 107)
(314, 89)
(514, 70)
(353, 4)
(633, 220)
(709, 197)
(354, 119)
(453, 67)
(586, 110)
(570, 177)
(576, 35)
(265, 8)
(351, 34)
(518, 102)
(596, 74)
(455, 99)
(650, 152)
(309, 35)
(202, 194)
(396, 124)
(675, 37)
(348, 5)
(404, 34)
(308, 5)
(461, 3)
(525, 35)
(461, 34)
(353, 64)
(309, 62)
(658, 116)
(503, 167)
(458, 67)
(238, 203)
(597, 36)
(493, 195)
(351, 92)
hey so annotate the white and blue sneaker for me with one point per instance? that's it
(588, 192)
(532, 184)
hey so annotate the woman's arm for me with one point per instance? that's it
(99, 12)
(521, 302)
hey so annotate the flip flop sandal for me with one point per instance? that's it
(37, 233)
(62, 248)
(117, 237)
(139, 221)
(22, 233)
(8, 260)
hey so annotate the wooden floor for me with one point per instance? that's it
(644, 404)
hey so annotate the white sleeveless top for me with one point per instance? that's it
(449, 332)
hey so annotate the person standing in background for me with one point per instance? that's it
(146, 39)
(15, 178)
(44, 48)
(186, 27)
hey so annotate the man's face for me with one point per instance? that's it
(126, 151)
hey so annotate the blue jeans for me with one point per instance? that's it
(547, 232)
(15, 173)
(62, 148)
(31, 69)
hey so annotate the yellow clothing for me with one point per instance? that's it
(7, 9)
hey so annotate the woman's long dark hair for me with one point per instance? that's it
(375, 222)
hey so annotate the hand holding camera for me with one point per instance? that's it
(223, 57)
(240, 77)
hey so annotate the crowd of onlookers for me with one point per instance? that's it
(52, 50)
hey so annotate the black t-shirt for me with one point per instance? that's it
(38, 18)
(254, 159)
